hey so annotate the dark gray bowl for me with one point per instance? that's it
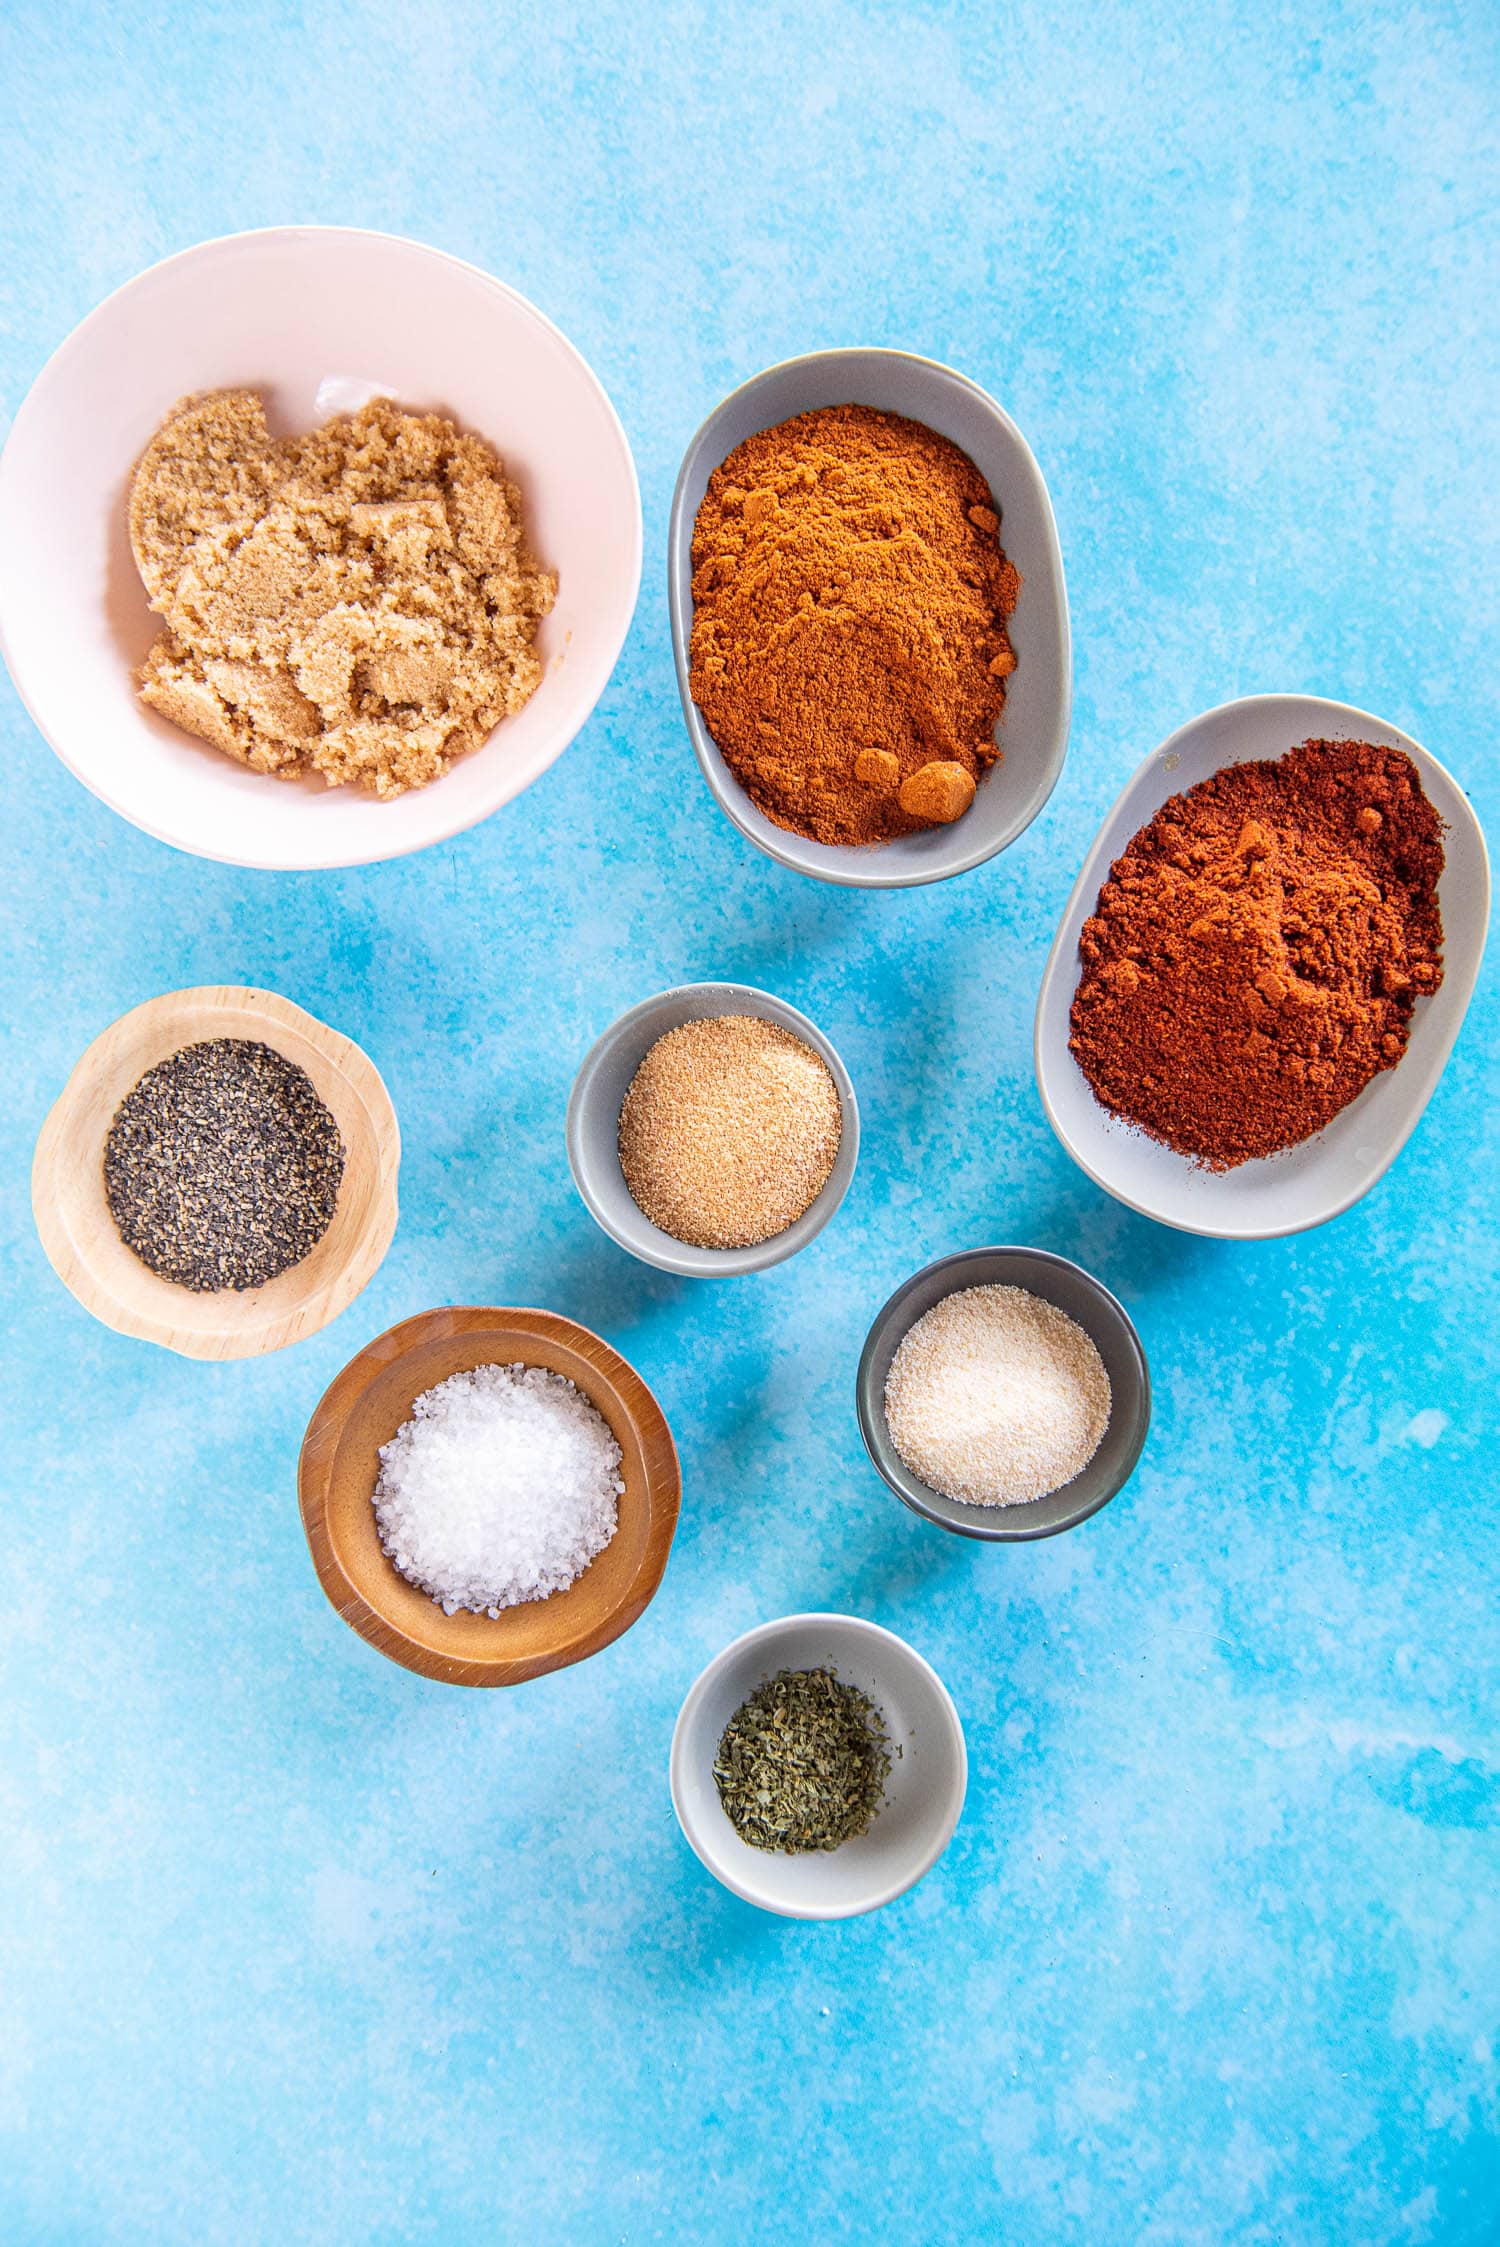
(1114, 1337)
(593, 1129)
(1033, 731)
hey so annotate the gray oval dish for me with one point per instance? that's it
(1312, 1183)
(1034, 729)
(593, 1129)
(1106, 1321)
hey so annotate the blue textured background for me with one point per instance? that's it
(296, 1947)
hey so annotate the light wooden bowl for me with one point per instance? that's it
(336, 1485)
(78, 1232)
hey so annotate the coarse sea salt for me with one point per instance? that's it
(996, 1397)
(501, 1488)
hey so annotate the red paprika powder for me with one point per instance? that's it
(1255, 956)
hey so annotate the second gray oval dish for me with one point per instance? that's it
(593, 1129)
(1103, 1319)
(1309, 1184)
(1033, 731)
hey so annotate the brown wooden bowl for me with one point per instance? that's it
(78, 1232)
(337, 1473)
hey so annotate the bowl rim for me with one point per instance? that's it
(989, 1524)
(859, 1627)
(112, 798)
(1058, 963)
(236, 1337)
(833, 866)
(319, 1450)
(681, 1257)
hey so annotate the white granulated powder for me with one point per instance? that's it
(500, 1488)
(995, 1397)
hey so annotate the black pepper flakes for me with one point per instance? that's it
(222, 1167)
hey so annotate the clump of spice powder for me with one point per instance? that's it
(849, 646)
(1255, 956)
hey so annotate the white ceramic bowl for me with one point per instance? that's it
(924, 1793)
(1326, 1175)
(319, 319)
(1033, 728)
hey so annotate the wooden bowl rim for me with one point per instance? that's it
(663, 1491)
(248, 1328)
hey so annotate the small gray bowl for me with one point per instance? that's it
(1109, 1326)
(1033, 731)
(593, 1129)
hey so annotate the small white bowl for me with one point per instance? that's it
(924, 1793)
(1033, 728)
(593, 1130)
(319, 319)
(1326, 1175)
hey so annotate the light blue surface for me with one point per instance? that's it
(295, 1947)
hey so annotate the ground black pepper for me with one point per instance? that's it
(222, 1168)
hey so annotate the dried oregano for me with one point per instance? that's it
(802, 1765)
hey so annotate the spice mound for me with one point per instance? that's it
(849, 649)
(996, 1397)
(222, 1167)
(501, 1488)
(1256, 954)
(802, 1765)
(729, 1131)
(357, 603)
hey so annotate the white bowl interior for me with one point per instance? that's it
(593, 1130)
(924, 1794)
(1308, 1184)
(1033, 730)
(319, 319)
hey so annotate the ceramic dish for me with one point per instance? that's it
(78, 1233)
(337, 1473)
(593, 1130)
(924, 1793)
(1109, 1326)
(1034, 728)
(320, 319)
(1309, 1184)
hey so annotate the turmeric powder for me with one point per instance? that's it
(850, 600)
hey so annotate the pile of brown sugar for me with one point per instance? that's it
(358, 602)
(849, 646)
(1256, 953)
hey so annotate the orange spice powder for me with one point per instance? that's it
(850, 602)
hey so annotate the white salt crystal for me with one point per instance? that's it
(995, 1396)
(501, 1487)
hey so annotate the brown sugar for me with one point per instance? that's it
(358, 602)
(1255, 956)
(850, 604)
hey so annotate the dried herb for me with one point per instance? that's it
(803, 1764)
(222, 1167)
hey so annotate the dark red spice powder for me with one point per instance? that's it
(1255, 956)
